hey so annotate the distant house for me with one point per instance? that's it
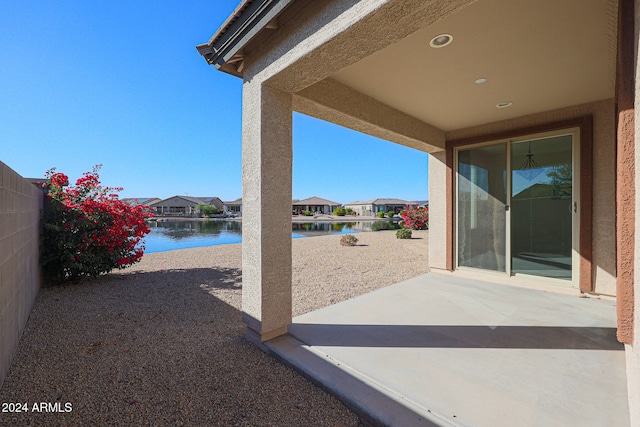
(144, 201)
(233, 208)
(184, 205)
(372, 207)
(315, 204)
(177, 205)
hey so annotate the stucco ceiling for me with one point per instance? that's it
(538, 54)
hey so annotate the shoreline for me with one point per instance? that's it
(294, 219)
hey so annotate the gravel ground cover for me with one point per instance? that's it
(161, 343)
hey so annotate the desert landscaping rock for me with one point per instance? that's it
(161, 343)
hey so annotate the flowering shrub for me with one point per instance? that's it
(87, 229)
(415, 218)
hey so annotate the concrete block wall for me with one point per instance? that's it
(20, 212)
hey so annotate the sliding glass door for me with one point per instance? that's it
(542, 207)
(482, 200)
(517, 206)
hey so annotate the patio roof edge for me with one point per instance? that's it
(248, 20)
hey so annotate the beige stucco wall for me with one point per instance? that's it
(334, 102)
(437, 211)
(20, 206)
(604, 176)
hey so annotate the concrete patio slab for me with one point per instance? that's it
(441, 350)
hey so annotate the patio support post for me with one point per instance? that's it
(266, 198)
(625, 171)
(628, 123)
(439, 245)
(628, 202)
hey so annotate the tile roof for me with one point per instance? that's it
(315, 200)
(381, 202)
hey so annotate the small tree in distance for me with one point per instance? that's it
(208, 210)
(339, 211)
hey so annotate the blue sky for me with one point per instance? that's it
(121, 84)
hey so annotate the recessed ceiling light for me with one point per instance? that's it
(441, 40)
(505, 104)
(481, 80)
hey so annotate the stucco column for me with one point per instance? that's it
(629, 129)
(266, 220)
(438, 221)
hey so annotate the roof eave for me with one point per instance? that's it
(247, 21)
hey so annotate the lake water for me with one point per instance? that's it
(170, 235)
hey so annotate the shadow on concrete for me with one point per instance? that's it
(446, 336)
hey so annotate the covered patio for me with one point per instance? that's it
(441, 350)
(526, 109)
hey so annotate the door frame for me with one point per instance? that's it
(583, 160)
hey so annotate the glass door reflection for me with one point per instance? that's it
(542, 207)
(482, 198)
